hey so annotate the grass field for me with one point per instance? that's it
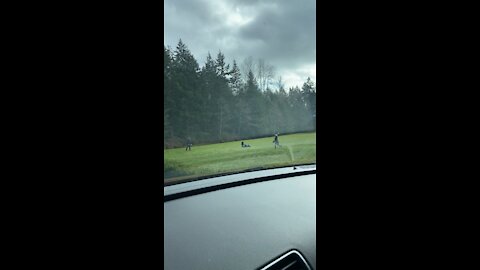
(230, 157)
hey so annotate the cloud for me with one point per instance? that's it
(279, 31)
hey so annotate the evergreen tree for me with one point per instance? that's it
(167, 93)
(214, 104)
(208, 112)
(235, 79)
(185, 79)
(253, 102)
(309, 98)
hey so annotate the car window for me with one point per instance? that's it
(239, 86)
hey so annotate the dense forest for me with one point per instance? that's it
(221, 102)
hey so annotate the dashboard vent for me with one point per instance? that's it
(291, 260)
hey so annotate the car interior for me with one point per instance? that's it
(255, 220)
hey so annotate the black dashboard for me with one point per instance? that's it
(242, 225)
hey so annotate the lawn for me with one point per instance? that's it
(230, 157)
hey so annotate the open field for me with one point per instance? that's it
(230, 157)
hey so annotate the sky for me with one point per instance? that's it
(282, 32)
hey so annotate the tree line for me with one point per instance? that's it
(218, 102)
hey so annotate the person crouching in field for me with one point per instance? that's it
(189, 145)
(245, 145)
(275, 141)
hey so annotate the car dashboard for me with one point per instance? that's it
(255, 220)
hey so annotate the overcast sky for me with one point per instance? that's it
(282, 32)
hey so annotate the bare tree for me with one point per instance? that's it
(247, 65)
(265, 73)
(279, 84)
(270, 74)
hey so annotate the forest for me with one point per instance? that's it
(221, 102)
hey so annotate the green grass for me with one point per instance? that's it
(231, 157)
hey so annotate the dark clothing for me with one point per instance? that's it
(275, 141)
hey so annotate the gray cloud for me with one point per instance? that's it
(281, 32)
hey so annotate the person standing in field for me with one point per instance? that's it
(275, 141)
(189, 144)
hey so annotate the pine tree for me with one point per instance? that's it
(253, 104)
(214, 104)
(167, 93)
(184, 79)
(223, 95)
(235, 79)
(309, 98)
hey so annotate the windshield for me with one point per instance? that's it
(239, 86)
